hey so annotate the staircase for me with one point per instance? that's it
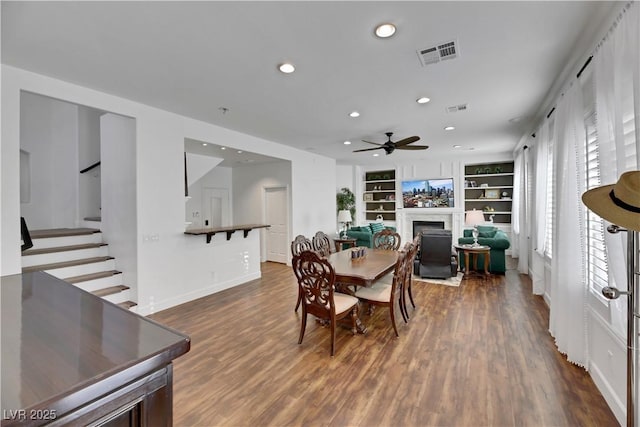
(77, 256)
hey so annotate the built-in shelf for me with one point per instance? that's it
(496, 194)
(380, 191)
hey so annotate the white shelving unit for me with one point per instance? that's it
(380, 195)
(489, 188)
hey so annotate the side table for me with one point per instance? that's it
(350, 242)
(472, 252)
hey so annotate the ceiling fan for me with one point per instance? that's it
(389, 146)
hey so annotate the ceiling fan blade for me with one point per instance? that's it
(367, 149)
(413, 147)
(374, 143)
(406, 141)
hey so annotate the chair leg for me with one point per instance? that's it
(411, 294)
(303, 325)
(299, 299)
(403, 308)
(354, 319)
(393, 317)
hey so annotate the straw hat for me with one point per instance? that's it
(618, 203)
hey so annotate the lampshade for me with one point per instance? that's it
(344, 216)
(473, 218)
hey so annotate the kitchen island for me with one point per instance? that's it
(71, 358)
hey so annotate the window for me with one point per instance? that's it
(550, 210)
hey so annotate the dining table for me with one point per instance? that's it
(362, 271)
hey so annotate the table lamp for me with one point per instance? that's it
(344, 217)
(473, 219)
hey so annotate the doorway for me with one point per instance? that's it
(276, 215)
(215, 206)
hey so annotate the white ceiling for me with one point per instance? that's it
(195, 58)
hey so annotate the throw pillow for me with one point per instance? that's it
(490, 234)
(486, 228)
(376, 226)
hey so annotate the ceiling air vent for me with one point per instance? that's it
(457, 108)
(439, 52)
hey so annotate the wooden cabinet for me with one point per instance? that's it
(380, 195)
(489, 187)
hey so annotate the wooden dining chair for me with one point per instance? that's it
(299, 245)
(386, 295)
(322, 244)
(316, 279)
(410, 266)
(412, 251)
(386, 239)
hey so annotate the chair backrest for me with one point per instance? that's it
(411, 249)
(321, 243)
(399, 273)
(435, 247)
(316, 278)
(386, 239)
(300, 244)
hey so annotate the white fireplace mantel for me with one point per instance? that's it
(452, 218)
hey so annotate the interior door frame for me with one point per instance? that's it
(263, 244)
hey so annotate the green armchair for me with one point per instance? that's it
(490, 236)
(364, 234)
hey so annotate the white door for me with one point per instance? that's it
(215, 206)
(276, 216)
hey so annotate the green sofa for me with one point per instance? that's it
(490, 236)
(364, 234)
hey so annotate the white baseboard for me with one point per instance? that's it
(190, 296)
(617, 407)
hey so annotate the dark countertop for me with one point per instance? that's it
(62, 345)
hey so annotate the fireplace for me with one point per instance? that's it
(418, 226)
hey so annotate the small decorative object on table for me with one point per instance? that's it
(358, 253)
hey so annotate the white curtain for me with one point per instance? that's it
(520, 248)
(569, 289)
(541, 164)
(616, 79)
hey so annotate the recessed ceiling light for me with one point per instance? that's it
(449, 128)
(347, 143)
(239, 151)
(287, 68)
(423, 100)
(385, 30)
(204, 144)
(223, 148)
(376, 155)
(457, 146)
(354, 114)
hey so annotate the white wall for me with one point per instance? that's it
(89, 153)
(118, 188)
(49, 133)
(172, 267)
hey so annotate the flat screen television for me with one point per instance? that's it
(428, 193)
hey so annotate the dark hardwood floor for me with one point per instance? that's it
(475, 355)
